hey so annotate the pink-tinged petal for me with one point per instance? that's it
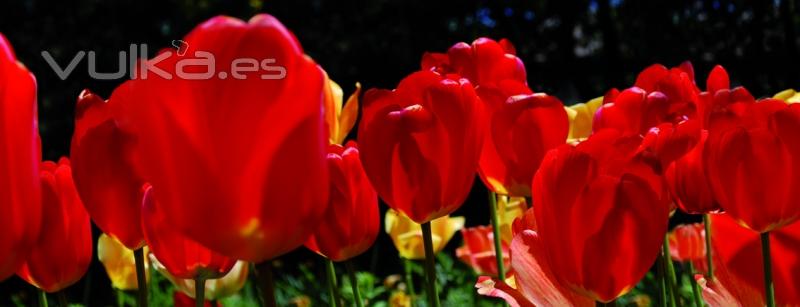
(490, 287)
(534, 276)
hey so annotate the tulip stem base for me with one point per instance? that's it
(671, 280)
(266, 283)
(768, 285)
(141, 277)
(430, 265)
(662, 285)
(200, 291)
(354, 283)
(501, 270)
(333, 286)
(42, 298)
(698, 300)
(709, 261)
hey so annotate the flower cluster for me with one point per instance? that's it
(211, 174)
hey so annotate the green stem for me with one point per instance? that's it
(430, 265)
(709, 262)
(672, 281)
(141, 279)
(501, 270)
(333, 286)
(42, 298)
(662, 285)
(199, 291)
(267, 284)
(768, 286)
(409, 279)
(354, 283)
(120, 298)
(698, 300)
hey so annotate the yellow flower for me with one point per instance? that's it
(580, 118)
(215, 288)
(340, 119)
(399, 299)
(119, 263)
(790, 96)
(509, 209)
(407, 235)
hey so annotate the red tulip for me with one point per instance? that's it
(478, 250)
(181, 256)
(352, 222)
(238, 163)
(420, 143)
(535, 278)
(688, 243)
(660, 95)
(601, 212)
(718, 96)
(19, 162)
(521, 129)
(669, 142)
(740, 278)
(483, 63)
(64, 250)
(753, 163)
(677, 84)
(688, 182)
(633, 111)
(104, 168)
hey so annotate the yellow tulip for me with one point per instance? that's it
(399, 299)
(581, 116)
(119, 263)
(407, 235)
(215, 288)
(790, 96)
(509, 209)
(339, 118)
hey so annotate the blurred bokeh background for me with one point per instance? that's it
(575, 50)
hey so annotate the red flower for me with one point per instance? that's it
(633, 111)
(669, 142)
(753, 163)
(182, 257)
(420, 143)
(352, 222)
(478, 250)
(688, 243)
(718, 96)
(483, 63)
(104, 168)
(19, 163)
(600, 196)
(64, 250)
(677, 84)
(238, 163)
(688, 182)
(521, 129)
(737, 253)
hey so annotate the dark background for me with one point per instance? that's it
(573, 49)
